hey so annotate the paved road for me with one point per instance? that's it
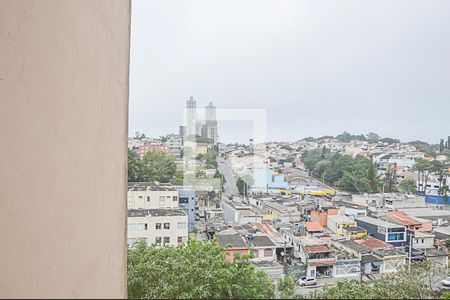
(230, 184)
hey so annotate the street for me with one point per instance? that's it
(230, 181)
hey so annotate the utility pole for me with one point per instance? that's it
(410, 248)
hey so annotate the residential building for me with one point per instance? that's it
(385, 231)
(239, 213)
(187, 202)
(347, 263)
(149, 195)
(314, 228)
(411, 223)
(420, 240)
(337, 224)
(316, 254)
(175, 143)
(321, 215)
(158, 226)
(354, 233)
(147, 147)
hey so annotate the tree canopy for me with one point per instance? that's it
(351, 174)
(194, 270)
(154, 166)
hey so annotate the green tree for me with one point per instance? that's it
(135, 167)
(440, 169)
(408, 186)
(158, 166)
(372, 176)
(372, 137)
(194, 270)
(390, 180)
(286, 147)
(423, 167)
(285, 287)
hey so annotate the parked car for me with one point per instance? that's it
(446, 283)
(304, 281)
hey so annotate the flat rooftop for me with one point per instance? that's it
(378, 222)
(150, 186)
(169, 212)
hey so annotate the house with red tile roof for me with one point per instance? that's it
(314, 228)
(409, 222)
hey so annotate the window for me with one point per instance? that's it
(145, 226)
(395, 237)
(166, 225)
(140, 197)
(268, 252)
(166, 239)
(181, 239)
(184, 199)
(162, 200)
(158, 240)
(181, 225)
(158, 225)
(132, 226)
(168, 197)
(175, 198)
(148, 198)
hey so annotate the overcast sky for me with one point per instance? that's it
(318, 67)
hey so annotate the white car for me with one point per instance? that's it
(446, 283)
(304, 281)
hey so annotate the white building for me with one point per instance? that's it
(157, 226)
(147, 195)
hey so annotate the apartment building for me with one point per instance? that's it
(175, 144)
(318, 255)
(157, 226)
(390, 233)
(146, 195)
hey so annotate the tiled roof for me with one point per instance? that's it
(313, 226)
(374, 243)
(318, 249)
(402, 218)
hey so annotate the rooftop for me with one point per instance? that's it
(234, 240)
(150, 186)
(374, 243)
(401, 218)
(340, 219)
(318, 249)
(355, 246)
(260, 241)
(310, 241)
(167, 212)
(354, 229)
(378, 222)
(313, 226)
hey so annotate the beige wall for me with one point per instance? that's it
(63, 137)
(138, 199)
